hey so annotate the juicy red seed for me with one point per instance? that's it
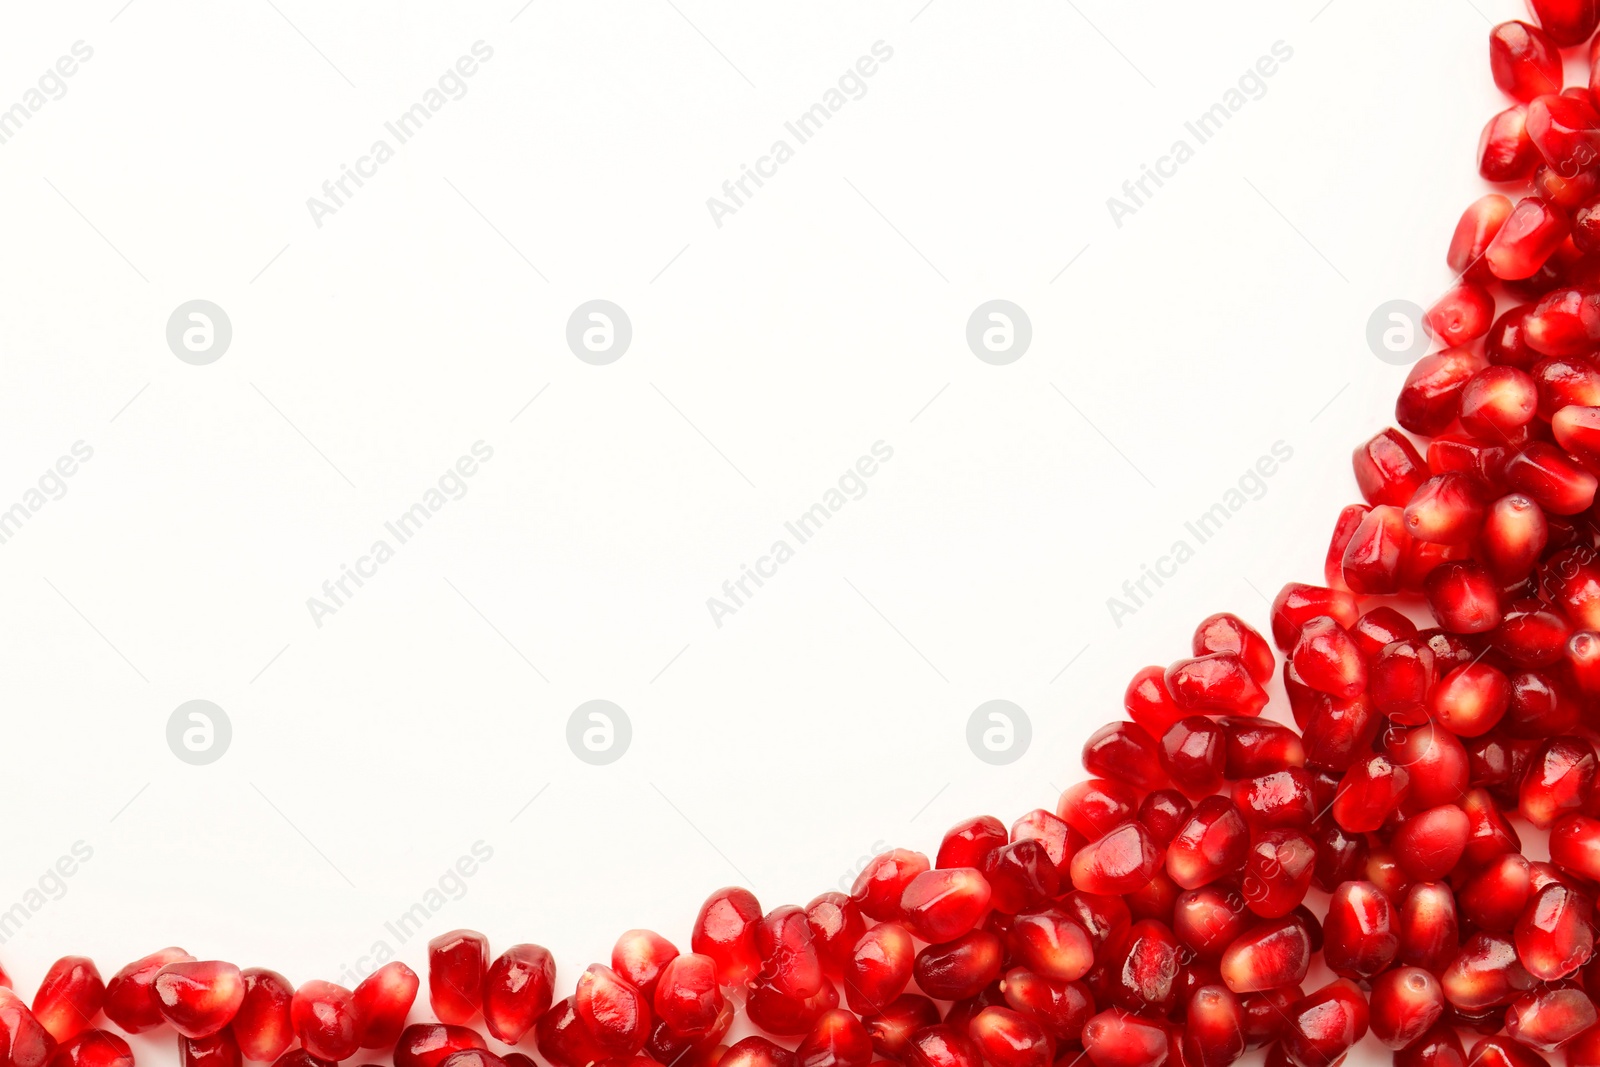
(1554, 934)
(1577, 429)
(1554, 480)
(1528, 237)
(754, 1052)
(879, 968)
(1326, 659)
(1020, 876)
(1209, 919)
(1530, 636)
(1010, 1039)
(1279, 799)
(1193, 755)
(1433, 757)
(1495, 895)
(1431, 843)
(1278, 872)
(1429, 928)
(1505, 154)
(1104, 918)
(382, 1001)
(1341, 856)
(1559, 779)
(1120, 862)
(1464, 598)
(128, 1001)
(1359, 939)
(1567, 22)
(961, 968)
(1489, 834)
(1570, 581)
(1439, 1047)
(942, 905)
(1369, 793)
(263, 1024)
(1524, 60)
(1219, 683)
(1430, 397)
(1504, 1052)
(1123, 751)
(687, 996)
(1323, 1025)
(430, 1044)
(1094, 807)
(1298, 603)
(1265, 1012)
(1405, 1004)
(941, 1045)
(1344, 528)
(200, 997)
(1051, 943)
(1163, 814)
(789, 959)
(70, 997)
(1149, 704)
(1117, 1038)
(775, 1013)
(1448, 508)
(1485, 974)
(1564, 322)
(1061, 1008)
(457, 962)
(725, 931)
(1259, 746)
(836, 925)
(1388, 468)
(1373, 558)
(1463, 313)
(324, 1019)
(517, 990)
(1214, 842)
(470, 1057)
(890, 1030)
(1058, 839)
(1507, 342)
(100, 1048)
(1144, 968)
(1226, 632)
(969, 842)
(1214, 1028)
(1549, 1018)
(639, 956)
(1470, 700)
(883, 881)
(23, 1040)
(1564, 130)
(837, 1040)
(1380, 627)
(613, 1010)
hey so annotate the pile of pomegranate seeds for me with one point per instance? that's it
(1159, 914)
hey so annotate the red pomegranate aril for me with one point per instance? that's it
(836, 925)
(1326, 659)
(837, 1040)
(1464, 313)
(1052, 944)
(69, 997)
(1430, 843)
(1388, 470)
(128, 1002)
(961, 968)
(1278, 872)
(1470, 700)
(1439, 1047)
(1298, 603)
(1485, 974)
(1506, 344)
(1369, 793)
(639, 956)
(1273, 955)
(1384, 871)
(1265, 1013)
(1155, 899)
(789, 960)
(1226, 632)
(725, 931)
(1568, 381)
(1163, 814)
(1060, 1008)
(1214, 1025)
(24, 1042)
(100, 1048)
(1566, 22)
(1209, 919)
(1008, 1038)
(1373, 558)
(776, 1013)
(457, 962)
(1528, 237)
(1489, 834)
(1220, 683)
(1323, 1025)
(1428, 927)
(1446, 509)
(1214, 842)
(1464, 598)
(1405, 1004)
(1103, 918)
(1359, 938)
(1531, 636)
(1193, 755)
(1494, 896)
(879, 968)
(1565, 130)
(1058, 839)
(430, 1044)
(1565, 322)
(1524, 60)
(263, 1024)
(324, 1020)
(198, 997)
(1400, 678)
(1504, 1052)
(1554, 480)
(687, 995)
(1254, 747)
(1020, 876)
(969, 842)
(384, 998)
(472, 1057)
(941, 1045)
(1119, 862)
(1344, 528)
(754, 1052)
(890, 1030)
(517, 991)
(1505, 154)
(1559, 779)
(1279, 799)
(1117, 1038)
(1554, 935)
(880, 885)
(1570, 581)
(1144, 969)
(1122, 751)
(1433, 757)
(1096, 806)
(613, 1010)
(1547, 1019)
(1341, 856)
(1148, 703)
(1577, 429)
(941, 905)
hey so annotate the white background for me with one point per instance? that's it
(825, 719)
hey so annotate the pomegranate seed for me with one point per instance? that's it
(879, 968)
(687, 995)
(1226, 632)
(430, 1044)
(99, 1048)
(198, 997)
(882, 883)
(1464, 598)
(789, 960)
(324, 1018)
(381, 1002)
(960, 969)
(639, 956)
(1528, 237)
(1280, 799)
(1020, 876)
(1564, 322)
(1264, 1014)
(963, 1012)
(1486, 974)
(837, 1040)
(1052, 944)
(1274, 955)
(1495, 895)
(1327, 659)
(1428, 927)
(1524, 60)
(1323, 1025)
(1570, 581)
(942, 905)
(1144, 969)
(1254, 747)
(1297, 603)
(1008, 1038)
(469, 1057)
(1530, 636)
(1369, 792)
(836, 925)
(70, 997)
(1149, 704)
(725, 931)
(1567, 22)
(1549, 1018)
(263, 1025)
(1278, 872)
(24, 1042)
(1433, 757)
(1163, 814)
(1505, 154)
(1430, 843)
(1564, 130)
(667, 1046)
(1155, 899)
(1344, 528)
(1560, 778)
(1400, 678)
(754, 1052)
(1439, 1047)
(1193, 755)
(1359, 936)
(1554, 934)
(1341, 856)
(1054, 835)
(1465, 312)
(1388, 468)
(457, 963)
(777, 1013)
(1219, 683)
(969, 842)
(1584, 1050)
(890, 1030)
(1490, 835)
(1471, 699)
(614, 1012)
(1577, 429)
(1120, 862)
(1096, 806)
(1372, 559)
(941, 1045)
(1555, 481)
(1124, 752)
(1060, 1008)
(1213, 1028)
(1207, 920)
(1214, 842)
(1406, 1002)
(1117, 1038)
(1103, 918)
(128, 1001)
(1504, 1052)
(1507, 344)
(1448, 508)
(517, 992)
(1565, 382)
